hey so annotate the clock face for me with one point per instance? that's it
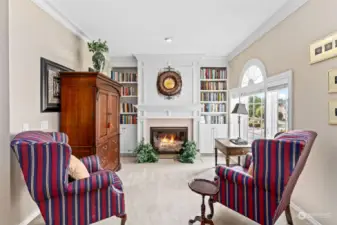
(169, 83)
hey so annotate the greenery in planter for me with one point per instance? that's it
(98, 58)
(188, 152)
(145, 153)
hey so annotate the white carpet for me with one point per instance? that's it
(158, 194)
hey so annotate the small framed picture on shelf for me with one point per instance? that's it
(333, 112)
(332, 81)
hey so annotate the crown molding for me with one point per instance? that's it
(58, 16)
(286, 10)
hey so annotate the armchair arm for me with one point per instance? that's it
(236, 177)
(101, 180)
(91, 163)
(59, 136)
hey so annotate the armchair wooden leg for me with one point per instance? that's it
(123, 221)
(288, 216)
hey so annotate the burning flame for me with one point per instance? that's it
(167, 140)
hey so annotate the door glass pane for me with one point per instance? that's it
(277, 112)
(256, 117)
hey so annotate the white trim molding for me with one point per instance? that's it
(31, 217)
(58, 16)
(286, 10)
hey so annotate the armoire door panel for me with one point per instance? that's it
(74, 116)
(113, 115)
(102, 115)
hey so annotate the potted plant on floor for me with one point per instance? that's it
(145, 153)
(100, 49)
(188, 152)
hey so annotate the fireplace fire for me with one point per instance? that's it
(168, 140)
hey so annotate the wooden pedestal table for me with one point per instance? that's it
(204, 188)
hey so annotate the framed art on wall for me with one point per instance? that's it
(332, 81)
(333, 112)
(323, 49)
(50, 85)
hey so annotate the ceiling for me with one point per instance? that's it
(212, 27)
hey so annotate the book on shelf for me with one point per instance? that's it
(218, 97)
(128, 119)
(215, 119)
(214, 107)
(213, 73)
(124, 76)
(214, 85)
(128, 108)
(129, 91)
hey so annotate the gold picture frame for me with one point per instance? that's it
(323, 49)
(333, 112)
(332, 74)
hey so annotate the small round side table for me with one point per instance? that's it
(204, 188)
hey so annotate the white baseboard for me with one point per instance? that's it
(31, 217)
(302, 215)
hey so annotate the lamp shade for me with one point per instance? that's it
(240, 109)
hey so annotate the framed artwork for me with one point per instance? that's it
(332, 81)
(323, 49)
(333, 112)
(50, 85)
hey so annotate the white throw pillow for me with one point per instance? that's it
(77, 169)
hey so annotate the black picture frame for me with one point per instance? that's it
(50, 85)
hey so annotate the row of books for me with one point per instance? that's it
(123, 77)
(128, 108)
(211, 85)
(129, 91)
(208, 73)
(215, 119)
(128, 119)
(220, 96)
(213, 107)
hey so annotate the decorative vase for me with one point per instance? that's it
(98, 60)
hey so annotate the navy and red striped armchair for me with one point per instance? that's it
(277, 165)
(44, 160)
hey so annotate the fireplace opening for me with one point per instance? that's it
(168, 140)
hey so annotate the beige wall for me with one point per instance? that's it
(287, 47)
(34, 34)
(4, 115)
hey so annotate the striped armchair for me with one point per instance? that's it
(44, 160)
(277, 164)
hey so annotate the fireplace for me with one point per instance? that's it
(168, 140)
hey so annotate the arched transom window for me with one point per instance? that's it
(253, 75)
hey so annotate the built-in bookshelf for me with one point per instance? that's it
(213, 94)
(127, 76)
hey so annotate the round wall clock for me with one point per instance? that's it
(169, 83)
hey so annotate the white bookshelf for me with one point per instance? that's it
(214, 102)
(128, 78)
(213, 94)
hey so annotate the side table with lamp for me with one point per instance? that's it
(233, 147)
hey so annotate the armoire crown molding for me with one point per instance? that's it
(58, 16)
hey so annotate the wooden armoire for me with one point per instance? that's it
(90, 116)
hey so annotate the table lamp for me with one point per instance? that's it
(239, 109)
